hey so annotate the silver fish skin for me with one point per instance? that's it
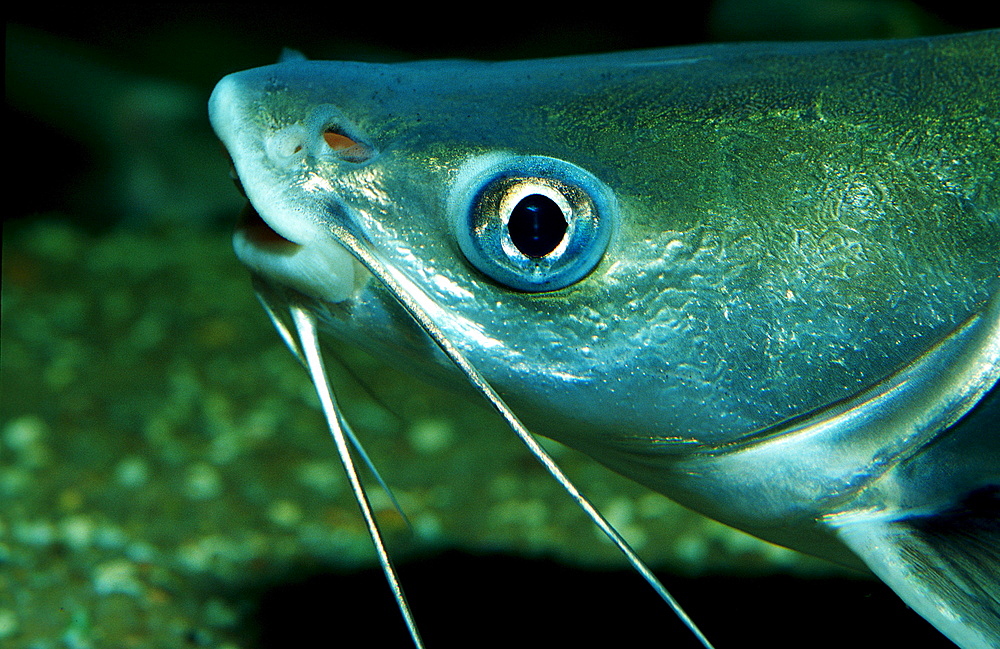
(776, 299)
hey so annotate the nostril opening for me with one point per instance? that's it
(286, 145)
(345, 147)
(338, 141)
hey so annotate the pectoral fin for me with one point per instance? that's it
(946, 566)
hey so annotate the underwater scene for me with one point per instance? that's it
(167, 479)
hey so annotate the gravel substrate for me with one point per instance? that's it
(166, 479)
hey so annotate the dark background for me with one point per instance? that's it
(74, 64)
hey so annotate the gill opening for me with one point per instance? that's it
(408, 296)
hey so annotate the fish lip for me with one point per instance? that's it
(256, 174)
(256, 231)
(320, 268)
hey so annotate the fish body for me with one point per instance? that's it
(761, 279)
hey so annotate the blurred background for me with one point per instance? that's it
(165, 477)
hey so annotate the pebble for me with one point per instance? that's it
(132, 472)
(8, 623)
(202, 482)
(431, 435)
(117, 576)
(77, 531)
(284, 513)
(24, 432)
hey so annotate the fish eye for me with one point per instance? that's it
(536, 225)
(531, 223)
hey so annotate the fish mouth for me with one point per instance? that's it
(321, 268)
(256, 232)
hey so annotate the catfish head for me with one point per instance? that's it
(760, 279)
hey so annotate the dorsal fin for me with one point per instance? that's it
(289, 54)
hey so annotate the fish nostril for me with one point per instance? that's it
(286, 146)
(338, 141)
(345, 147)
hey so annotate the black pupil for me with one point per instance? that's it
(536, 225)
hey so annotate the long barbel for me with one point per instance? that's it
(308, 346)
